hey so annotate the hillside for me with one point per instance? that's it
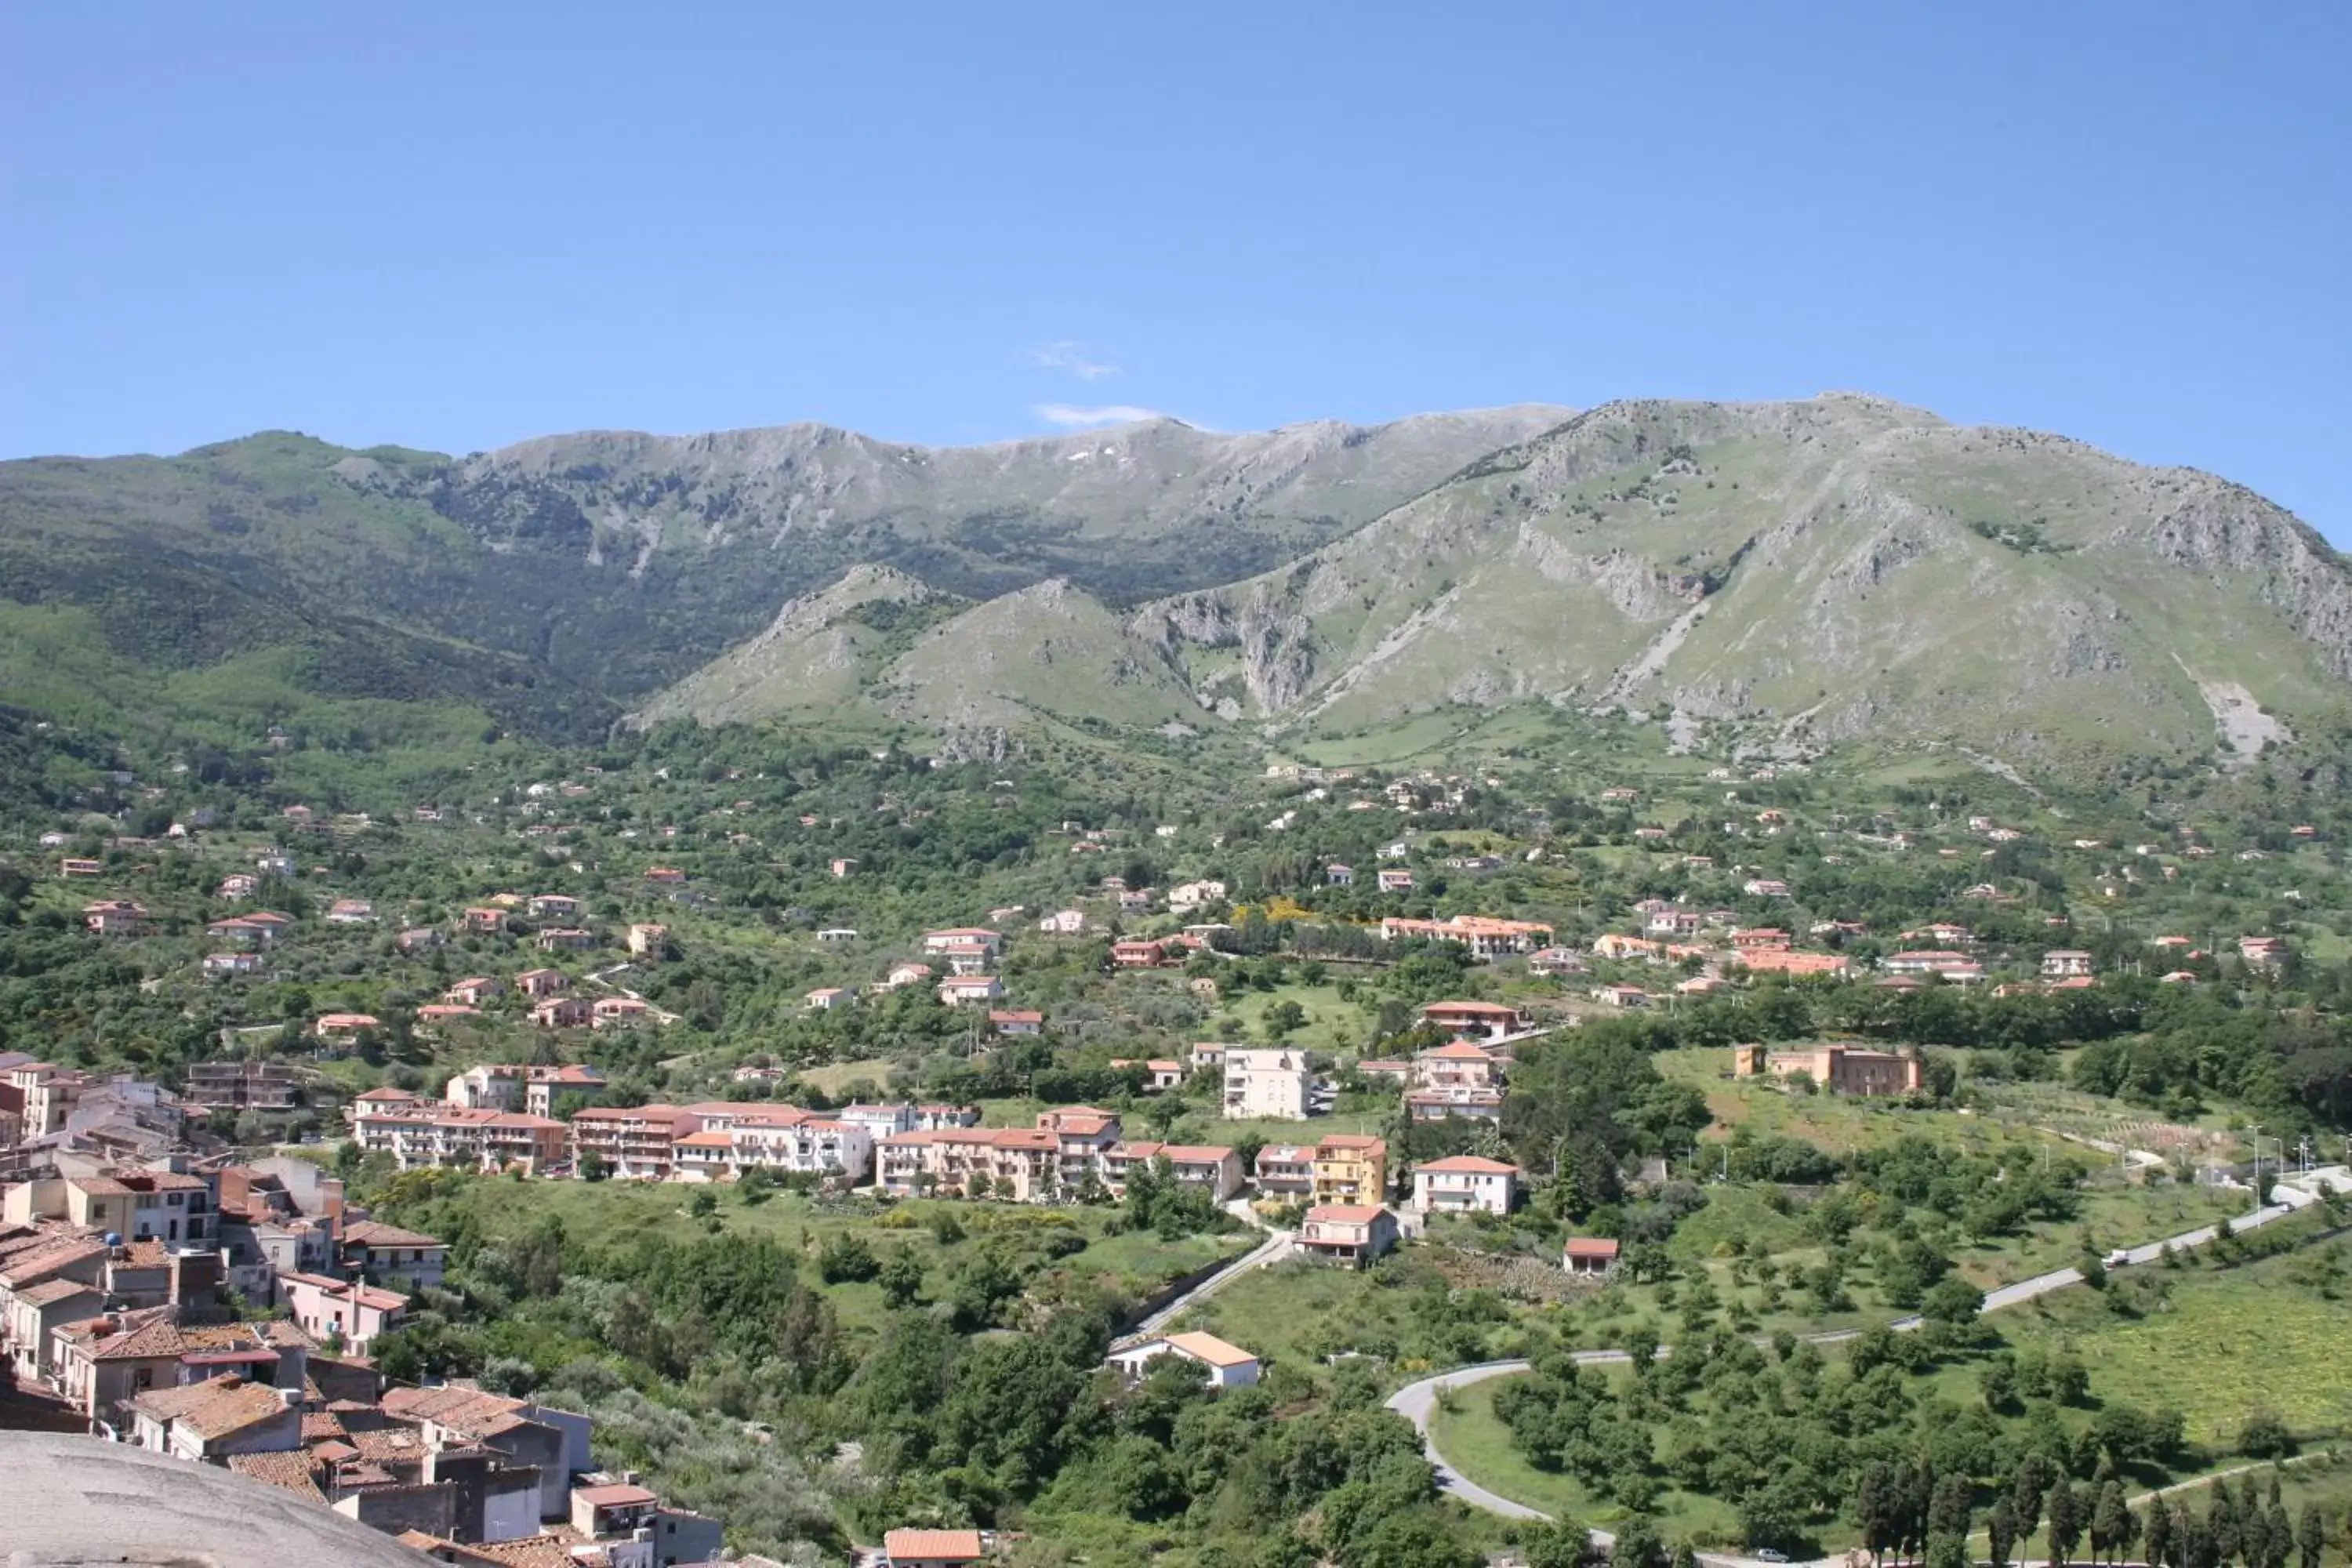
(1786, 575)
(1816, 573)
(549, 583)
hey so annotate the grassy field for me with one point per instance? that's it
(837, 1075)
(1134, 1264)
(1331, 1025)
(2216, 1345)
(1478, 1445)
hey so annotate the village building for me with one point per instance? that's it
(1352, 1234)
(1485, 937)
(1464, 1183)
(1265, 1085)
(1223, 1364)
(1595, 1257)
(1840, 1070)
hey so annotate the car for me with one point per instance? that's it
(2117, 1259)
(1770, 1554)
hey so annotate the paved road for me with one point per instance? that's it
(1277, 1245)
(1416, 1402)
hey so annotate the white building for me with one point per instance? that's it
(1223, 1365)
(1462, 1183)
(1265, 1085)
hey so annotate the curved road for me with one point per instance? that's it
(1417, 1402)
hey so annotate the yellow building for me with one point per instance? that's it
(1350, 1168)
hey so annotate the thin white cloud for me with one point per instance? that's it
(1071, 358)
(1073, 418)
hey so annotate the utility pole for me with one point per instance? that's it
(2258, 1162)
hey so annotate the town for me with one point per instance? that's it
(1207, 1050)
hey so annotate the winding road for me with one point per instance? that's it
(1417, 1402)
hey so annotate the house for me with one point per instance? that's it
(115, 917)
(1458, 1064)
(206, 1421)
(633, 1141)
(669, 874)
(236, 885)
(1159, 1073)
(1941, 932)
(825, 998)
(1186, 897)
(1335, 875)
(387, 1255)
(541, 982)
(956, 990)
(648, 939)
(2263, 951)
(618, 1012)
(565, 1013)
(956, 939)
(932, 1549)
(1474, 1020)
(416, 939)
(1759, 939)
(843, 866)
(1265, 1085)
(1393, 879)
(1556, 960)
(566, 939)
(1206, 1054)
(74, 867)
(351, 913)
(1064, 922)
(1587, 1255)
(1425, 1105)
(967, 957)
(1464, 1182)
(1353, 1234)
(345, 1025)
(1614, 945)
(1485, 937)
(448, 1137)
(1223, 1365)
(434, 1013)
(1765, 888)
(554, 906)
(836, 934)
(476, 991)
(345, 1310)
(483, 922)
(1016, 1022)
(1665, 920)
(904, 974)
(1955, 967)
(1138, 955)
(227, 964)
(1841, 1069)
(1788, 960)
(1213, 1168)
(2059, 964)
(1620, 996)
(1350, 1167)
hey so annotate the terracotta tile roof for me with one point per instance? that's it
(50, 1292)
(1344, 1214)
(1471, 1164)
(318, 1426)
(374, 1232)
(294, 1472)
(235, 1406)
(47, 1260)
(471, 1411)
(932, 1545)
(616, 1496)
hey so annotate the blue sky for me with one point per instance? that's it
(456, 225)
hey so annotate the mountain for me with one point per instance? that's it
(1822, 572)
(1801, 574)
(568, 576)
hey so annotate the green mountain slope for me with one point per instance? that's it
(1811, 572)
(551, 583)
(1792, 574)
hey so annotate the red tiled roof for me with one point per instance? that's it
(932, 1545)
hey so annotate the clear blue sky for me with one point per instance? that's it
(455, 225)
